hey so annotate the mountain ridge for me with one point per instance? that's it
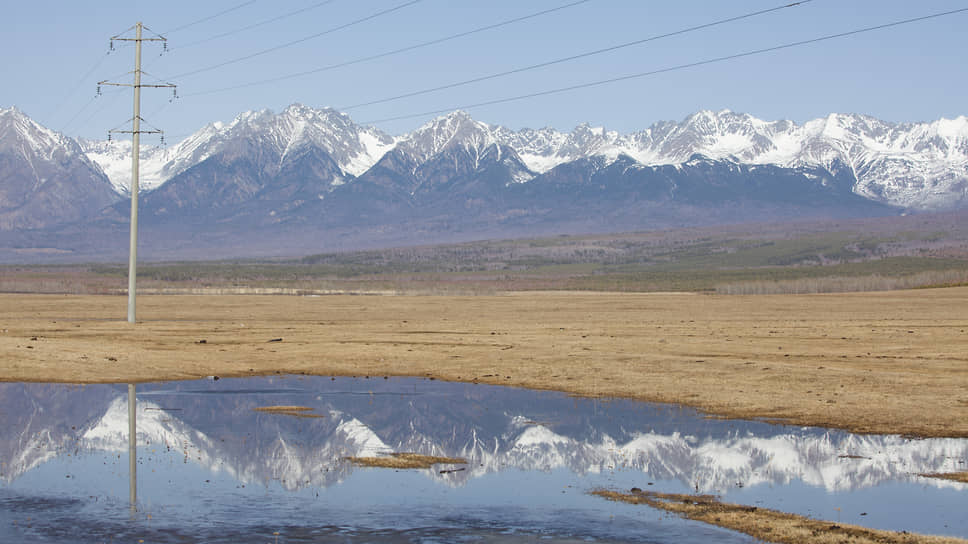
(307, 179)
(931, 158)
(42, 170)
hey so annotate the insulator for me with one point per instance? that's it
(109, 136)
(162, 140)
(98, 90)
(164, 46)
(111, 48)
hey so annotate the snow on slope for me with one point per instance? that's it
(45, 177)
(17, 127)
(114, 158)
(457, 128)
(915, 165)
(354, 148)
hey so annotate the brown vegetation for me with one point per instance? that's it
(889, 362)
(769, 525)
(927, 250)
(406, 461)
(840, 284)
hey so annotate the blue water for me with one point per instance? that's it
(212, 469)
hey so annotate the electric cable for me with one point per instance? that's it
(101, 60)
(254, 25)
(76, 86)
(572, 57)
(300, 40)
(109, 97)
(67, 125)
(210, 17)
(670, 68)
(394, 51)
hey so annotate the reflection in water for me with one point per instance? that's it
(132, 447)
(205, 440)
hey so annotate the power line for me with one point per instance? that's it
(300, 40)
(210, 17)
(101, 60)
(113, 98)
(76, 115)
(78, 85)
(670, 68)
(256, 25)
(135, 132)
(394, 51)
(572, 57)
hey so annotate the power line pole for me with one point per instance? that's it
(136, 133)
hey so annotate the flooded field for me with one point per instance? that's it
(265, 460)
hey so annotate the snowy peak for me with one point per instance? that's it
(20, 132)
(717, 135)
(546, 148)
(920, 166)
(354, 148)
(45, 179)
(915, 165)
(262, 133)
(456, 129)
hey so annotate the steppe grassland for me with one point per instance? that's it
(887, 362)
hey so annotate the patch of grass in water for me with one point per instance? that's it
(953, 476)
(405, 460)
(294, 411)
(766, 524)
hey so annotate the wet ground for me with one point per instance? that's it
(212, 468)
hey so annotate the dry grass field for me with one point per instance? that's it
(887, 362)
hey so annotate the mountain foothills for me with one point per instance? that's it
(306, 180)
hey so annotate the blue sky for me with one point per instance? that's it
(55, 52)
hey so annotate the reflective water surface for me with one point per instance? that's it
(213, 469)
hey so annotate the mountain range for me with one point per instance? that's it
(307, 180)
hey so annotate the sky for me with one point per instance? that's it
(220, 52)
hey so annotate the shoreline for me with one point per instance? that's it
(886, 363)
(766, 524)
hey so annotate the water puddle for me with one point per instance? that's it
(213, 468)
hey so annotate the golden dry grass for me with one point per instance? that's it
(889, 362)
(295, 411)
(405, 460)
(769, 525)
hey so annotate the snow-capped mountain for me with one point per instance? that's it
(920, 166)
(45, 177)
(913, 165)
(263, 164)
(291, 181)
(457, 129)
(281, 136)
(451, 157)
(114, 158)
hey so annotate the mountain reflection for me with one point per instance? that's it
(214, 425)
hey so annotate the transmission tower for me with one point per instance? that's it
(136, 133)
